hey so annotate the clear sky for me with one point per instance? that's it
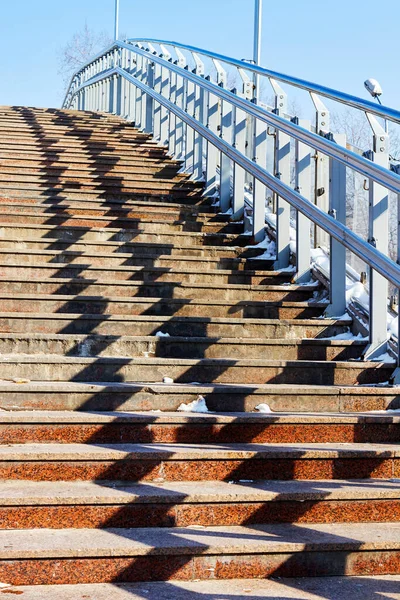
(339, 43)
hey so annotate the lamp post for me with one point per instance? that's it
(374, 88)
(116, 28)
(257, 44)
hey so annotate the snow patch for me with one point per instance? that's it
(168, 380)
(197, 406)
(263, 408)
(161, 334)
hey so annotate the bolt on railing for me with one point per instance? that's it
(222, 136)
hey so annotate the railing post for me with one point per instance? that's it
(303, 225)
(337, 209)
(239, 174)
(282, 172)
(190, 109)
(199, 116)
(259, 189)
(378, 236)
(212, 110)
(321, 185)
(149, 100)
(180, 102)
(165, 91)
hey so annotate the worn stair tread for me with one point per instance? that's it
(182, 362)
(220, 341)
(189, 270)
(316, 588)
(202, 388)
(238, 540)
(177, 301)
(181, 452)
(47, 493)
(86, 256)
(183, 284)
(184, 235)
(182, 418)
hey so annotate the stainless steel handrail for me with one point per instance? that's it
(350, 100)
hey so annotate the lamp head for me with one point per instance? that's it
(373, 87)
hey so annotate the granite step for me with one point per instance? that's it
(82, 556)
(194, 428)
(34, 269)
(99, 505)
(17, 395)
(133, 248)
(207, 370)
(147, 224)
(315, 588)
(199, 327)
(180, 347)
(233, 293)
(77, 233)
(159, 463)
(149, 206)
(182, 307)
(152, 189)
(33, 257)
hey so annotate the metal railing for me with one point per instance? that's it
(236, 145)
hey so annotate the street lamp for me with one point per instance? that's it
(116, 28)
(257, 44)
(374, 88)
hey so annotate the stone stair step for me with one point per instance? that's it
(113, 555)
(193, 428)
(122, 222)
(16, 395)
(199, 327)
(107, 260)
(158, 463)
(90, 505)
(148, 224)
(149, 206)
(152, 289)
(180, 347)
(32, 268)
(315, 588)
(26, 303)
(152, 188)
(133, 248)
(207, 370)
(165, 212)
(77, 233)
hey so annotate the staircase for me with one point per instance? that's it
(124, 295)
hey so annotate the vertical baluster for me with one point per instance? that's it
(259, 190)
(337, 209)
(226, 163)
(149, 100)
(157, 105)
(199, 115)
(190, 109)
(303, 225)
(172, 117)
(378, 235)
(239, 174)
(212, 111)
(321, 184)
(282, 172)
(180, 102)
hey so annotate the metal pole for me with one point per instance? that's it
(116, 29)
(257, 44)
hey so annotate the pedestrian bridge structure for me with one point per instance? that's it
(199, 337)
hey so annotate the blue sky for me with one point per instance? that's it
(337, 43)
